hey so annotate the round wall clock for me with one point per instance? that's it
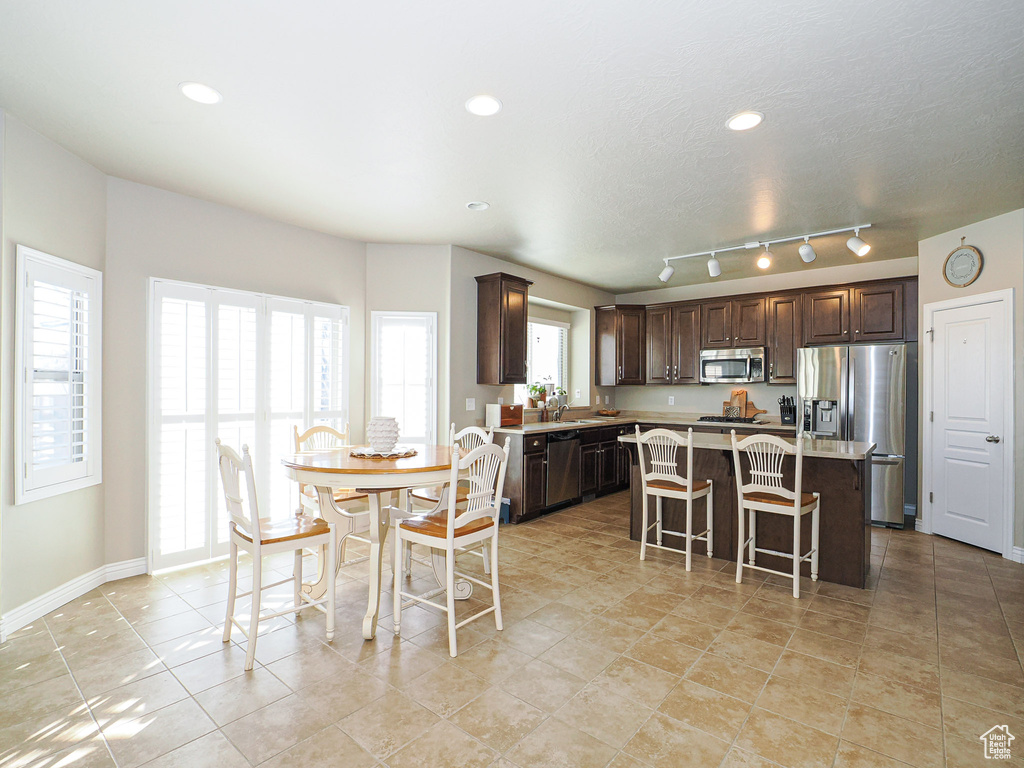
(963, 265)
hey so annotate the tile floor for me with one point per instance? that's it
(604, 661)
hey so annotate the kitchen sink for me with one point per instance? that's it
(579, 421)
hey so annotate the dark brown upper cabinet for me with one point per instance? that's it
(783, 337)
(878, 312)
(827, 317)
(731, 323)
(501, 314)
(673, 344)
(621, 345)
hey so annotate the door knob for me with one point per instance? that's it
(992, 439)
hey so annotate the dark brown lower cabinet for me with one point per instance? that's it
(589, 469)
(535, 483)
(608, 461)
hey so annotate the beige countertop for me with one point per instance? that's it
(813, 447)
(630, 417)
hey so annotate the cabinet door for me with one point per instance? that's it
(608, 476)
(686, 344)
(716, 324)
(783, 338)
(748, 323)
(878, 312)
(827, 317)
(605, 357)
(588, 469)
(659, 338)
(631, 345)
(535, 483)
(623, 463)
(513, 333)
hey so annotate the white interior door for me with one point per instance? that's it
(969, 371)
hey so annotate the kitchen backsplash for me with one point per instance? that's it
(699, 399)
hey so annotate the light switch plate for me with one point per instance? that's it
(501, 401)
(470, 403)
(671, 400)
(607, 399)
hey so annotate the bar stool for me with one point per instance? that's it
(665, 482)
(765, 493)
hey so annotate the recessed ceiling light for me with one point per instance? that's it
(478, 205)
(744, 121)
(198, 92)
(483, 106)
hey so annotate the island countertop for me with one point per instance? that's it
(813, 448)
(659, 419)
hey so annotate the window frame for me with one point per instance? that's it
(520, 392)
(33, 485)
(431, 317)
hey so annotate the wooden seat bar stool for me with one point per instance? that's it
(663, 481)
(262, 538)
(766, 493)
(448, 528)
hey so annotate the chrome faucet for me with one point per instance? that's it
(561, 409)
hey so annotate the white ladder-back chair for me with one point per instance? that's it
(261, 538)
(450, 529)
(663, 481)
(766, 493)
(353, 506)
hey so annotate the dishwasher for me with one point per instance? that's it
(563, 458)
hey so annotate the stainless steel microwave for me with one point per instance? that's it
(731, 366)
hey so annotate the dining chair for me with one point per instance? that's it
(663, 481)
(262, 537)
(766, 493)
(351, 505)
(449, 529)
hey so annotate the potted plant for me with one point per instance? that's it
(538, 393)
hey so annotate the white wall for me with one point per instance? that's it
(56, 203)
(413, 278)
(1001, 242)
(466, 265)
(154, 233)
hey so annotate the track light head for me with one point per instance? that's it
(666, 273)
(858, 246)
(807, 253)
(714, 268)
(765, 259)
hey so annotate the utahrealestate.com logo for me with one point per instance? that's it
(997, 742)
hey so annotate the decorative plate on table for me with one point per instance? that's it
(396, 453)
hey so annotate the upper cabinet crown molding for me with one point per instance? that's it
(501, 320)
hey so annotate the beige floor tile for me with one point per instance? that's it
(639, 682)
(823, 623)
(530, 637)
(241, 696)
(36, 738)
(982, 692)
(621, 760)
(706, 709)
(609, 634)
(210, 751)
(773, 610)
(658, 651)
(898, 698)
(544, 686)
(968, 753)
(824, 647)
(137, 699)
(342, 694)
(786, 742)
(704, 612)
(740, 758)
(33, 701)
(661, 741)
(685, 631)
(746, 650)
(893, 736)
(604, 715)
(968, 721)
(565, 618)
(331, 746)
(275, 728)
(134, 741)
(302, 669)
(579, 658)
(804, 704)
(840, 609)
(920, 648)
(854, 756)
(492, 660)
(443, 746)
(498, 719)
(818, 673)
(728, 677)
(919, 674)
(445, 689)
(760, 628)
(555, 744)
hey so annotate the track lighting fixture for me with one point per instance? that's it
(764, 260)
(858, 246)
(807, 254)
(714, 268)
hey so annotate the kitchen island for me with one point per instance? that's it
(839, 471)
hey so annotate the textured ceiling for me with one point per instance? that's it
(611, 151)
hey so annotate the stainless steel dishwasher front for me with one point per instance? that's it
(563, 467)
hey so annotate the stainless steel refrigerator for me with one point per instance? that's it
(860, 393)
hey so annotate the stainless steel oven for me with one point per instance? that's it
(732, 366)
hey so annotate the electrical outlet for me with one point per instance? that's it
(470, 403)
(671, 400)
(501, 401)
(577, 394)
(607, 399)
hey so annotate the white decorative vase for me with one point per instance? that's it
(382, 434)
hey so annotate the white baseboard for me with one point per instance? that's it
(919, 525)
(1017, 555)
(28, 612)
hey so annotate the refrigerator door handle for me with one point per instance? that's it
(890, 461)
(850, 398)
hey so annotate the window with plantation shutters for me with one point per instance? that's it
(547, 356)
(246, 368)
(57, 386)
(404, 371)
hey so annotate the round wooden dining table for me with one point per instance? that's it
(327, 470)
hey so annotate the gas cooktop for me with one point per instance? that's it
(729, 419)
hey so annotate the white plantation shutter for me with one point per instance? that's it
(57, 388)
(404, 371)
(547, 356)
(238, 366)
